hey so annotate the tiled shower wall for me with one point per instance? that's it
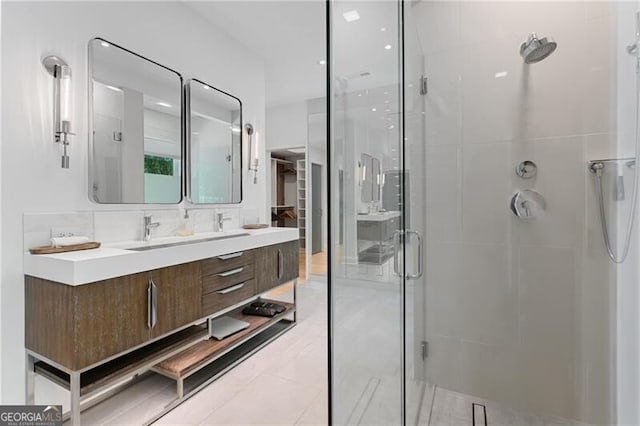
(518, 312)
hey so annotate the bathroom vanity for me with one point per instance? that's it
(99, 318)
(375, 236)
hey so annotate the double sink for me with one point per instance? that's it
(165, 242)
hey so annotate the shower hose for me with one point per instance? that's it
(597, 167)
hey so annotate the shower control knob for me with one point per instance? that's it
(527, 169)
(527, 204)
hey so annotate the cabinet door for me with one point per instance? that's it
(276, 264)
(289, 263)
(178, 292)
(111, 317)
(266, 270)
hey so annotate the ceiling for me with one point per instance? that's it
(288, 35)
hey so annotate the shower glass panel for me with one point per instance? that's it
(367, 288)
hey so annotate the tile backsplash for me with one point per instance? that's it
(114, 226)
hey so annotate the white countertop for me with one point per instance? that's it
(115, 260)
(378, 217)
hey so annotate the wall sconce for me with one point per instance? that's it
(61, 73)
(253, 152)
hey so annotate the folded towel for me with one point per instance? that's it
(68, 241)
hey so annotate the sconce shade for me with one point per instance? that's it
(61, 73)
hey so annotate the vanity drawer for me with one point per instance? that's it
(227, 277)
(227, 262)
(225, 297)
(377, 230)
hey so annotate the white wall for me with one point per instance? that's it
(32, 180)
(518, 312)
(287, 126)
(296, 125)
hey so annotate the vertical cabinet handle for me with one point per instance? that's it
(418, 274)
(152, 304)
(280, 264)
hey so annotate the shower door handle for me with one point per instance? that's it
(418, 274)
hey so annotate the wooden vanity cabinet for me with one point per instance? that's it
(276, 264)
(79, 326)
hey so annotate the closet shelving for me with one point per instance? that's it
(302, 201)
(284, 210)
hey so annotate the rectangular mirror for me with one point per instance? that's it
(135, 128)
(215, 145)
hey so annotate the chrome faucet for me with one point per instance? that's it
(148, 226)
(219, 223)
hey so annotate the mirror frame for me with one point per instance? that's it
(90, 151)
(187, 142)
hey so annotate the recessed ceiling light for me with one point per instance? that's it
(391, 127)
(163, 104)
(373, 109)
(383, 29)
(104, 44)
(500, 74)
(359, 94)
(388, 47)
(322, 62)
(386, 93)
(387, 110)
(351, 15)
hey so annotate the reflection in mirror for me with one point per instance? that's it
(370, 178)
(136, 128)
(375, 179)
(366, 186)
(215, 145)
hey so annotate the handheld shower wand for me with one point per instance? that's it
(597, 167)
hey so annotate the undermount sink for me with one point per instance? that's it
(188, 240)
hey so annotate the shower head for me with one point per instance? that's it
(536, 49)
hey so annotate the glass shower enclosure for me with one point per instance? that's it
(378, 311)
(470, 282)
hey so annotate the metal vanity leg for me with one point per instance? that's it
(74, 387)
(295, 304)
(180, 388)
(30, 396)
